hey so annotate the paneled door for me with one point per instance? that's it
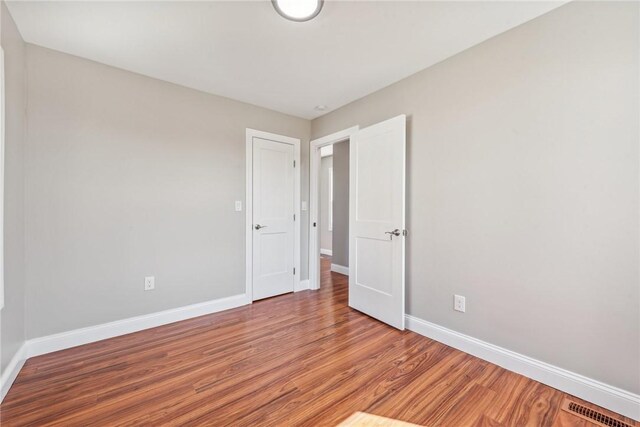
(377, 221)
(273, 218)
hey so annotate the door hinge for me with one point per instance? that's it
(294, 271)
(294, 217)
(294, 163)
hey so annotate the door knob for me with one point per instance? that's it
(395, 232)
(258, 226)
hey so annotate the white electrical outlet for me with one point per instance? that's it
(238, 205)
(459, 303)
(149, 283)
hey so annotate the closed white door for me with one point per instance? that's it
(273, 218)
(377, 221)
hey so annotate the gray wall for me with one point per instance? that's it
(523, 188)
(325, 234)
(341, 204)
(130, 176)
(12, 333)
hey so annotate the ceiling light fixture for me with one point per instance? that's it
(320, 107)
(298, 10)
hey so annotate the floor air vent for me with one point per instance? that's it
(591, 415)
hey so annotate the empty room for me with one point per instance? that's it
(320, 213)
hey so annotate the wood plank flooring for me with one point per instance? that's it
(303, 359)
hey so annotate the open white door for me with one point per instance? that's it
(377, 221)
(273, 218)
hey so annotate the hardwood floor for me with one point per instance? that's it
(298, 359)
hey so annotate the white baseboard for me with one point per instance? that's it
(607, 396)
(64, 340)
(340, 269)
(13, 369)
(327, 252)
(303, 286)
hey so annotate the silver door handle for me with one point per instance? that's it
(395, 232)
(258, 226)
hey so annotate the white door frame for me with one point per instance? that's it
(314, 194)
(248, 203)
(2, 169)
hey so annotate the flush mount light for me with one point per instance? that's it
(320, 107)
(298, 10)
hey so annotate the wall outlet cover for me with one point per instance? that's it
(149, 283)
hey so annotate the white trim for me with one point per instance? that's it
(326, 151)
(607, 396)
(330, 221)
(327, 252)
(10, 374)
(340, 269)
(250, 134)
(314, 194)
(76, 337)
(2, 169)
(303, 286)
(248, 205)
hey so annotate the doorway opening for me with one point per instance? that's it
(333, 206)
(329, 207)
(376, 226)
